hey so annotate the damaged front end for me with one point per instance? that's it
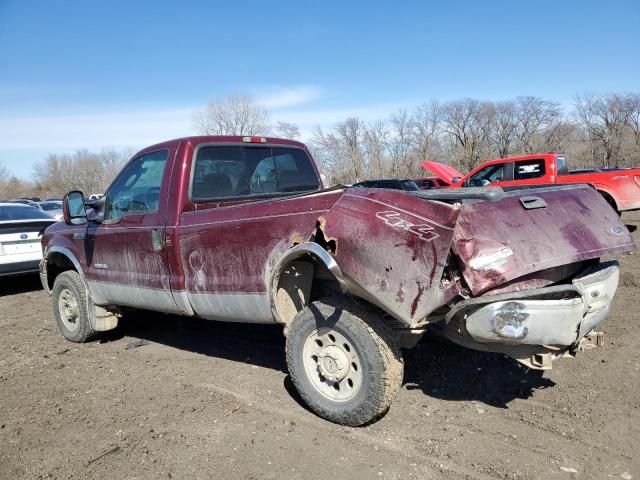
(538, 325)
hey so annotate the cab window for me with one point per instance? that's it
(529, 169)
(137, 188)
(223, 172)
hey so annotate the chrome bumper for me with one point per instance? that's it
(558, 316)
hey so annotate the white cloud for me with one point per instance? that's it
(287, 97)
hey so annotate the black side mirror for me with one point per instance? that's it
(73, 209)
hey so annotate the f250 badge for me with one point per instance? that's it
(395, 220)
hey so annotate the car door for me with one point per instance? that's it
(125, 253)
(495, 174)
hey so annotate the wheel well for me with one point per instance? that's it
(56, 264)
(300, 282)
(610, 200)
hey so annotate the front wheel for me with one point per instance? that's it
(72, 307)
(343, 361)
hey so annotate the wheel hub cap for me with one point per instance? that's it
(333, 363)
(68, 308)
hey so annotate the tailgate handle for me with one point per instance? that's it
(531, 203)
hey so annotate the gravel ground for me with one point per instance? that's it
(197, 399)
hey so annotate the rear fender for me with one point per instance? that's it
(392, 248)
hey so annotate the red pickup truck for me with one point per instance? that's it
(240, 229)
(619, 186)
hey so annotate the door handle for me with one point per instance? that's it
(157, 239)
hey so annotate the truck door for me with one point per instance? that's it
(125, 253)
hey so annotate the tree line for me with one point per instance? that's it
(597, 130)
(90, 172)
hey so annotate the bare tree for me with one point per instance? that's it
(375, 141)
(341, 150)
(288, 130)
(234, 115)
(503, 126)
(534, 115)
(465, 122)
(633, 120)
(426, 129)
(399, 143)
(604, 118)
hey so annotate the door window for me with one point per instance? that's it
(487, 175)
(137, 188)
(529, 169)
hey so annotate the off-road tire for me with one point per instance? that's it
(380, 357)
(70, 281)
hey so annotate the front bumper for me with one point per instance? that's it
(557, 316)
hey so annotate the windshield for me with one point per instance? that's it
(21, 212)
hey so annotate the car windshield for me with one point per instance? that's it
(48, 206)
(21, 212)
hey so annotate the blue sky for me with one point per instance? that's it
(95, 74)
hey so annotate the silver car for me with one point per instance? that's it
(20, 229)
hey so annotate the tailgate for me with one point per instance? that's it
(535, 229)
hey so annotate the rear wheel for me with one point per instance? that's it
(343, 361)
(72, 307)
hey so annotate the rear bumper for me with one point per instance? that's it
(557, 317)
(17, 268)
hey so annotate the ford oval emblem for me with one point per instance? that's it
(23, 236)
(618, 230)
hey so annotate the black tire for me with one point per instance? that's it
(380, 360)
(69, 285)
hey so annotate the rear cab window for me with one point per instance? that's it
(221, 172)
(528, 169)
(561, 164)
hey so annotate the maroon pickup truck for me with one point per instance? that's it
(240, 229)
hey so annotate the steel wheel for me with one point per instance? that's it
(332, 364)
(68, 309)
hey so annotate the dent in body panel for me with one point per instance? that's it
(394, 259)
(229, 253)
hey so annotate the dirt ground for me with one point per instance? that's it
(207, 400)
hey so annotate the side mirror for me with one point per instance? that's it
(456, 179)
(73, 209)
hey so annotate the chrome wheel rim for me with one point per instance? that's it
(68, 309)
(332, 364)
